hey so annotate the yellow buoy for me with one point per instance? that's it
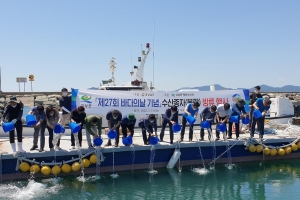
(267, 151)
(56, 170)
(273, 152)
(288, 150)
(93, 159)
(298, 144)
(24, 166)
(252, 148)
(86, 163)
(66, 168)
(35, 168)
(76, 166)
(281, 152)
(294, 147)
(46, 170)
(259, 148)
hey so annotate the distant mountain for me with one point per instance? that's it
(264, 88)
(93, 88)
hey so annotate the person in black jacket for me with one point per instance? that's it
(114, 118)
(78, 115)
(14, 112)
(253, 97)
(170, 117)
(208, 114)
(148, 124)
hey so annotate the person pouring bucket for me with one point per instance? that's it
(147, 124)
(40, 116)
(92, 123)
(127, 124)
(192, 110)
(222, 115)
(114, 118)
(170, 117)
(238, 112)
(78, 115)
(52, 117)
(262, 106)
(208, 114)
(14, 112)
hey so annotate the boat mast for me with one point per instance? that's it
(113, 67)
(139, 75)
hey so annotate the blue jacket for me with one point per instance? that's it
(191, 110)
(167, 116)
(126, 121)
(145, 123)
(260, 105)
(236, 110)
(206, 114)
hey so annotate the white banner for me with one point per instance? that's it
(99, 102)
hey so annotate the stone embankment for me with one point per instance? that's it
(49, 98)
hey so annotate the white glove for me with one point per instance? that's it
(14, 121)
(1, 123)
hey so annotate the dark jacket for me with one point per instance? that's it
(206, 114)
(126, 121)
(145, 123)
(168, 114)
(14, 113)
(78, 118)
(65, 102)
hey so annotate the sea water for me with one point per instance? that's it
(275, 180)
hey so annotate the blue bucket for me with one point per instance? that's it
(75, 128)
(234, 119)
(30, 120)
(246, 120)
(154, 140)
(257, 114)
(247, 108)
(98, 141)
(176, 127)
(58, 128)
(112, 134)
(127, 141)
(221, 127)
(191, 119)
(63, 130)
(9, 126)
(205, 124)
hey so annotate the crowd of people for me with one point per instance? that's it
(48, 117)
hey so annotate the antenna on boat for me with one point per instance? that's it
(131, 73)
(152, 84)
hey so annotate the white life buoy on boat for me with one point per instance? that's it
(174, 159)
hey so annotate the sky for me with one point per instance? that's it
(195, 43)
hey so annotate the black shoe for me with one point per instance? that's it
(161, 140)
(229, 137)
(116, 145)
(108, 144)
(217, 139)
(41, 150)
(171, 142)
(201, 139)
(34, 147)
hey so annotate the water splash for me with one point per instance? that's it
(113, 175)
(200, 171)
(230, 166)
(98, 163)
(132, 155)
(152, 156)
(228, 151)
(213, 145)
(200, 152)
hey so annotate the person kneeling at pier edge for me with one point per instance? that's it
(238, 109)
(14, 112)
(40, 116)
(114, 118)
(263, 105)
(170, 117)
(78, 115)
(208, 114)
(92, 123)
(127, 124)
(147, 124)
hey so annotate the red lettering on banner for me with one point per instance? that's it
(211, 101)
(205, 102)
(225, 100)
(219, 101)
